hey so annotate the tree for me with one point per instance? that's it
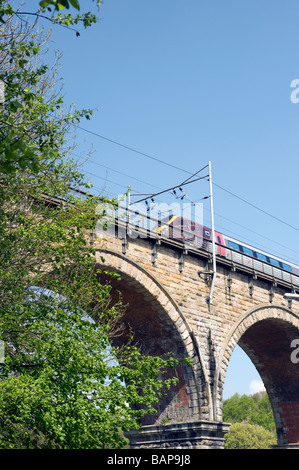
(253, 425)
(21, 109)
(33, 126)
(248, 436)
(54, 391)
(253, 409)
(56, 318)
(51, 10)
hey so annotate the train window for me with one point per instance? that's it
(247, 251)
(286, 267)
(261, 257)
(234, 245)
(274, 262)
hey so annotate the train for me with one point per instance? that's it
(200, 237)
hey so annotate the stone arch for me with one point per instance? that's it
(159, 327)
(265, 333)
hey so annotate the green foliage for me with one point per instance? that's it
(60, 386)
(24, 108)
(32, 129)
(61, 4)
(58, 395)
(51, 10)
(252, 409)
(253, 425)
(249, 436)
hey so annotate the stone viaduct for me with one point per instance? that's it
(167, 290)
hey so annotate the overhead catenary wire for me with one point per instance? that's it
(259, 246)
(187, 172)
(217, 214)
(256, 207)
(134, 150)
(252, 231)
(123, 174)
(203, 168)
(140, 181)
(169, 189)
(223, 229)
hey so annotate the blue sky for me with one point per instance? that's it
(187, 83)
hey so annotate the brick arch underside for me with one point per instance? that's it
(158, 329)
(265, 335)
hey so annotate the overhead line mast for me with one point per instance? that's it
(213, 234)
(189, 180)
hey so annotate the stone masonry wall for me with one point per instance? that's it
(210, 332)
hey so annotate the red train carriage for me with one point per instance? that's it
(199, 236)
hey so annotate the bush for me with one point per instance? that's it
(249, 436)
